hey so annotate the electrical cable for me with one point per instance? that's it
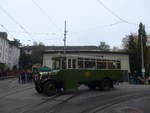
(7, 31)
(35, 33)
(102, 26)
(43, 11)
(16, 22)
(114, 14)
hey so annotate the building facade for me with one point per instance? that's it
(121, 58)
(4, 48)
(9, 52)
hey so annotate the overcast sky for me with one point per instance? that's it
(88, 22)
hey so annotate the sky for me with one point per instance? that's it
(88, 22)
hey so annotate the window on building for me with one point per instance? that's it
(69, 63)
(74, 63)
(63, 63)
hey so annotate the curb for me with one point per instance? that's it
(7, 77)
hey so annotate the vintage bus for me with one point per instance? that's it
(69, 71)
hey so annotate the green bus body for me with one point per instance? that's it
(72, 77)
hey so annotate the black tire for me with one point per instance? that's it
(38, 88)
(106, 84)
(50, 88)
(91, 86)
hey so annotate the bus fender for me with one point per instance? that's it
(47, 79)
(58, 84)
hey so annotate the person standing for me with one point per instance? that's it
(23, 77)
(19, 78)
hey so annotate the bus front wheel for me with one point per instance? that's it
(50, 88)
(38, 88)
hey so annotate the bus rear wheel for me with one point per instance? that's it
(106, 84)
(91, 86)
(50, 88)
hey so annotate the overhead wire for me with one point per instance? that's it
(114, 14)
(98, 27)
(44, 13)
(16, 22)
(34, 33)
(7, 31)
(121, 20)
(110, 11)
(39, 33)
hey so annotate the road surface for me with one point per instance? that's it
(124, 98)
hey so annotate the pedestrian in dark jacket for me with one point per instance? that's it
(23, 78)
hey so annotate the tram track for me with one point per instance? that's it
(9, 82)
(15, 91)
(59, 103)
(111, 102)
(54, 108)
(10, 85)
(29, 107)
(58, 107)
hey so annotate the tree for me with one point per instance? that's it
(142, 37)
(104, 47)
(37, 53)
(36, 56)
(2, 66)
(132, 49)
(25, 61)
(132, 45)
(115, 48)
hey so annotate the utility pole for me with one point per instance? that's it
(65, 34)
(142, 58)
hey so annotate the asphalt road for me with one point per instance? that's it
(124, 98)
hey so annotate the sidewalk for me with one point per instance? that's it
(6, 77)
